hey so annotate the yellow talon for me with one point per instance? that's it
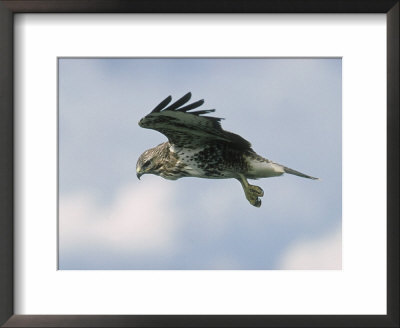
(252, 192)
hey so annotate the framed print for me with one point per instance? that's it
(85, 243)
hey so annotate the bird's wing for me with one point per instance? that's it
(186, 128)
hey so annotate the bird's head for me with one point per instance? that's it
(147, 163)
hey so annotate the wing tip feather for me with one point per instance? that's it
(178, 106)
(162, 104)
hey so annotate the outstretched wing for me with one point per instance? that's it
(186, 128)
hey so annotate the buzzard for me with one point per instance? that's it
(197, 146)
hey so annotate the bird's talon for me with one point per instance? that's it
(256, 190)
(252, 194)
(257, 203)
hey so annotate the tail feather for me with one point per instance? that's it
(294, 172)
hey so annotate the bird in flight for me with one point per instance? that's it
(197, 146)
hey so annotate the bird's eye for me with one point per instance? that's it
(146, 164)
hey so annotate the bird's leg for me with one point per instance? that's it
(252, 192)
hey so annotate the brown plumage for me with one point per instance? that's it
(198, 147)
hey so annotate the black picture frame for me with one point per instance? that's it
(10, 7)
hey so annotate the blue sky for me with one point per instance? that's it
(289, 109)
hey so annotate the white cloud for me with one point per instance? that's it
(320, 254)
(139, 220)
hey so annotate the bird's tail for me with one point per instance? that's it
(294, 172)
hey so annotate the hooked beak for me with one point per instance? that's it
(139, 175)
